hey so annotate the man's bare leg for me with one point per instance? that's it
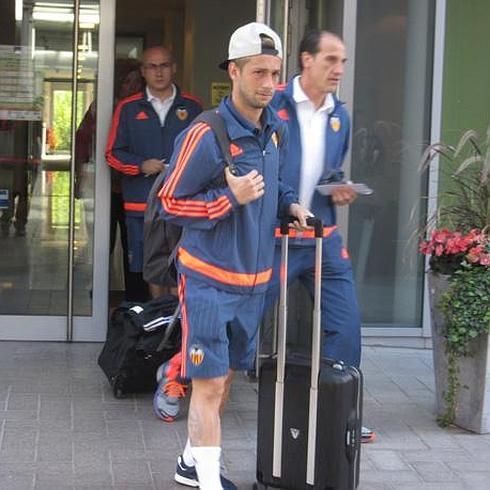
(204, 411)
(204, 427)
(226, 393)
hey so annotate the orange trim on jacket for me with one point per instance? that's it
(223, 275)
(327, 231)
(135, 206)
(125, 168)
(184, 325)
(189, 207)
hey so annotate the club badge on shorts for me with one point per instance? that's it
(335, 124)
(196, 355)
(181, 113)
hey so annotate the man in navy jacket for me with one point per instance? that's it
(141, 140)
(227, 248)
(319, 128)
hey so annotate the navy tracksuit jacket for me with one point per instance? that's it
(340, 312)
(137, 135)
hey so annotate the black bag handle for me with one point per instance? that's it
(171, 327)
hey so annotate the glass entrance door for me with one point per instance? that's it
(49, 173)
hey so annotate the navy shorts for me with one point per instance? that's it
(219, 329)
(135, 243)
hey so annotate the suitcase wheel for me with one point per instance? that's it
(118, 393)
(117, 388)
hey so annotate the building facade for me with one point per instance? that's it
(416, 73)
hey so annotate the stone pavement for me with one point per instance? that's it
(60, 427)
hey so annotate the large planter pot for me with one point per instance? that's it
(473, 401)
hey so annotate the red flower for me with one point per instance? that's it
(448, 249)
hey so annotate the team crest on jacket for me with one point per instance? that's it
(335, 124)
(196, 355)
(181, 113)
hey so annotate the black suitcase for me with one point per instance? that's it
(141, 336)
(310, 409)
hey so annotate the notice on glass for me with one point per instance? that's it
(19, 87)
(218, 91)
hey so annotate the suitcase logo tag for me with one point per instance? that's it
(196, 355)
(294, 433)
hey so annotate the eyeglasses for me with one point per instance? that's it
(155, 67)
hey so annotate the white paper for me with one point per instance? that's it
(326, 189)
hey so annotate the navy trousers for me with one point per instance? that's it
(340, 316)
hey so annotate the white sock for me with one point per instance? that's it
(187, 454)
(208, 468)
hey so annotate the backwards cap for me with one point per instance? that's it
(251, 40)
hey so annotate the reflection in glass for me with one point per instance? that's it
(36, 56)
(85, 157)
(390, 127)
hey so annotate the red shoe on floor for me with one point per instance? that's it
(367, 435)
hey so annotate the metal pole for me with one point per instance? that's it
(71, 225)
(285, 43)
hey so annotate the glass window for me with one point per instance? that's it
(390, 127)
(36, 129)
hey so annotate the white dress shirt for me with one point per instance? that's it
(161, 107)
(312, 124)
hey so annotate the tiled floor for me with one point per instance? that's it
(60, 427)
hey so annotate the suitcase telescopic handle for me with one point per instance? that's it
(281, 352)
(312, 221)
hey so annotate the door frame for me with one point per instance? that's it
(94, 327)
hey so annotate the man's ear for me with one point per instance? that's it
(233, 70)
(306, 58)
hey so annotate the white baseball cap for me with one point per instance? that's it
(251, 40)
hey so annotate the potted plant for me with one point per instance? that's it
(457, 242)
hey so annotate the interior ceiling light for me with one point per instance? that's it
(19, 10)
(63, 12)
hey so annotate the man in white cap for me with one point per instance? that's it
(226, 253)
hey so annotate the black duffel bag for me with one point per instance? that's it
(141, 336)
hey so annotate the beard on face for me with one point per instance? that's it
(253, 100)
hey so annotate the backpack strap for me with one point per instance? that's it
(217, 124)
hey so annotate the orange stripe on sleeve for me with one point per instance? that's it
(197, 209)
(188, 146)
(111, 159)
(189, 207)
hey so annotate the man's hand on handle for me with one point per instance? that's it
(300, 214)
(246, 188)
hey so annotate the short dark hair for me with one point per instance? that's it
(241, 62)
(310, 44)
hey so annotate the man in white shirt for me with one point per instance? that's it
(319, 131)
(139, 146)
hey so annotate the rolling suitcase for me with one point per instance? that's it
(310, 409)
